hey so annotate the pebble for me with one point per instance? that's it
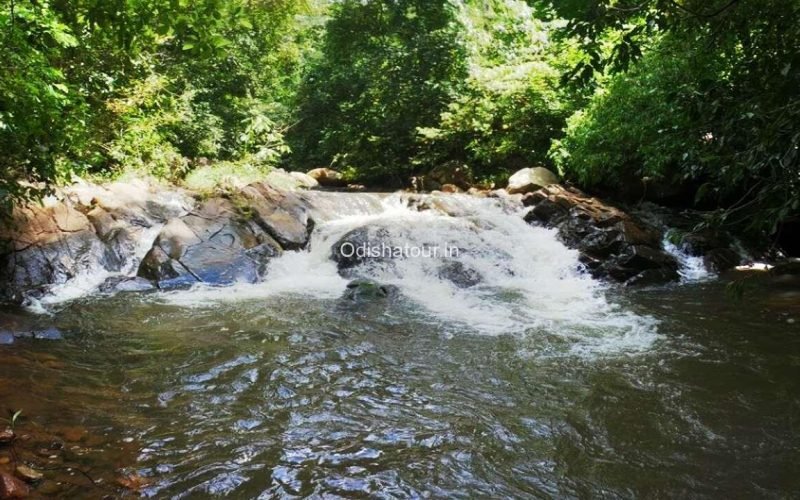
(29, 474)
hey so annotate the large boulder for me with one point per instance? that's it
(211, 245)
(355, 247)
(283, 215)
(612, 243)
(530, 179)
(48, 245)
(327, 177)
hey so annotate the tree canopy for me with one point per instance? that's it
(687, 101)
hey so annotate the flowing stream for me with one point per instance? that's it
(536, 381)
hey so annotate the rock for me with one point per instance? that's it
(284, 216)
(422, 183)
(651, 277)
(6, 338)
(11, 487)
(48, 245)
(612, 243)
(212, 245)
(51, 333)
(354, 248)
(84, 228)
(699, 243)
(118, 284)
(459, 274)
(721, 259)
(7, 436)
(327, 177)
(28, 474)
(450, 173)
(368, 290)
(450, 188)
(304, 180)
(530, 179)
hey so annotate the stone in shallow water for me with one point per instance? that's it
(6, 338)
(29, 474)
(11, 487)
(126, 284)
(51, 333)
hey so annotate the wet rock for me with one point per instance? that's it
(368, 290)
(47, 245)
(459, 274)
(721, 259)
(28, 474)
(355, 247)
(11, 487)
(51, 333)
(84, 228)
(283, 215)
(612, 243)
(530, 179)
(212, 245)
(327, 177)
(6, 338)
(117, 284)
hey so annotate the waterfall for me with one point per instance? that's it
(526, 281)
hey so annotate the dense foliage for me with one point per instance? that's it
(691, 102)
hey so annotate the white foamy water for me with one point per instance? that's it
(692, 269)
(530, 283)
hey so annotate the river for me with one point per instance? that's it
(537, 382)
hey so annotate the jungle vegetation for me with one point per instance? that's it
(689, 102)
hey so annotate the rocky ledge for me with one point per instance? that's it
(147, 236)
(142, 236)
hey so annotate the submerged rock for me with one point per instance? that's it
(51, 333)
(11, 487)
(28, 474)
(459, 274)
(368, 290)
(530, 179)
(612, 243)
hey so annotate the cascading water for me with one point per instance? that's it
(526, 281)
